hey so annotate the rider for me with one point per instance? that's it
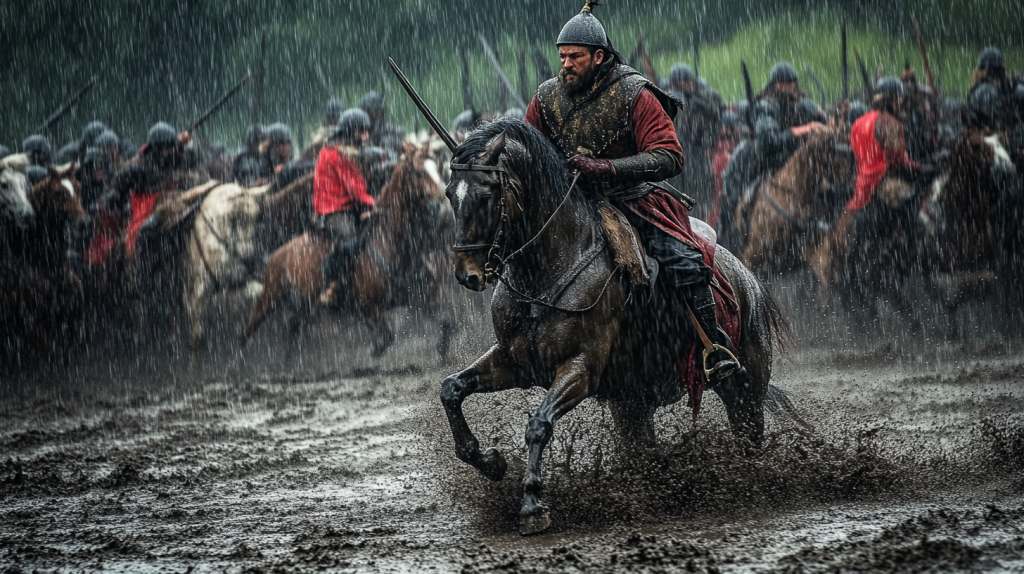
(611, 123)
(340, 199)
(249, 166)
(38, 149)
(382, 133)
(332, 111)
(697, 130)
(880, 150)
(279, 146)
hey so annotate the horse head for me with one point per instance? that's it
(14, 204)
(58, 198)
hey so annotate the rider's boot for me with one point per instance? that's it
(723, 363)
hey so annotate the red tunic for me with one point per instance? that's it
(873, 160)
(720, 156)
(338, 185)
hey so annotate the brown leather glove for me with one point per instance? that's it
(591, 168)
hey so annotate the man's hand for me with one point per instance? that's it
(591, 168)
(809, 128)
(367, 214)
(184, 138)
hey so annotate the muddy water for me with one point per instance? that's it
(339, 461)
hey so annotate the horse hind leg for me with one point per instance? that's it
(634, 421)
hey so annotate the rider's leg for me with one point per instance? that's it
(342, 229)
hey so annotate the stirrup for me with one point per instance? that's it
(714, 375)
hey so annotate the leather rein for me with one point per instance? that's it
(495, 264)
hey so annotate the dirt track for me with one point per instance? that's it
(345, 462)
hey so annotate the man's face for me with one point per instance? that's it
(790, 88)
(362, 136)
(578, 65)
(283, 151)
(689, 86)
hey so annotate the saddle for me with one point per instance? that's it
(627, 251)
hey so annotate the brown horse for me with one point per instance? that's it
(563, 317)
(39, 294)
(395, 267)
(868, 254)
(792, 209)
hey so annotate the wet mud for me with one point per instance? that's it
(339, 461)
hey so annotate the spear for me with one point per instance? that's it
(845, 62)
(467, 89)
(524, 84)
(218, 104)
(817, 83)
(924, 56)
(869, 90)
(501, 73)
(66, 106)
(749, 88)
(696, 53)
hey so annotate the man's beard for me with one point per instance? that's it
(583, 81)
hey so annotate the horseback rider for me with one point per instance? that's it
(698, 131)
(382, 133)
(340, 199)
(795, 116)
(614, 127)
(249, 166)
(279, 147)
(884, 168)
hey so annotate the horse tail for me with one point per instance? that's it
(778, 402)
(779, 332)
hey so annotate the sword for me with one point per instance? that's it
(442, 132)
(501, 74)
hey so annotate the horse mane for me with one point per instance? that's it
(542, 167)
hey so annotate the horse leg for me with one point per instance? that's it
(195, 305)
(743, 395)
(273, 293)
(491, 373)
(571, 386)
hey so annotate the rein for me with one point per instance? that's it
(494, 271)
(797, 224)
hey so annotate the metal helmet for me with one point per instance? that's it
(95, 156)
(107, 139)
(766, 109)
(680, 72)
(584, 29)
(742, 107)
(783, 72)
(333, 108)
(253, 135)
(515, 114)
(67, 154)
(162, 135)
(890, 86)
(373, 102)
(857, 109)
(985, 101)
(38, 149)
(35, 173)
(4, 151)
(92, 131)
(1018, 94)
(278, 133)
(352, 121)
(990, 58)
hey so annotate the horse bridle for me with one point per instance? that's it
(495, 262)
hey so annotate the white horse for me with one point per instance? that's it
(222, 253)
(14, 205)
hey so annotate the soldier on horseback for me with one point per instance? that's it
(383, 134)
(614, 127)
(698, 131)
(340, 199)
(38, 149)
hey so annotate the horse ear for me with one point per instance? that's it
(494, 149)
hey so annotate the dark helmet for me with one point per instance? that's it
(742, 107)
(38, 149)
(35, 173)
(990, 58)
(783, 72)
(373, 102)
(253, 135)
(985, 101)
(857, 109)
(680, 73)
(107, 139)
(465, 121)
(67, 154)
(515, 114)
(248, 170)
(951, 107)
(162, 135)
(766, 109)
(890, 86)
(95, 156)
(333, 108)
(279, 133)
(1018, 94)
(584, 29)
(4, 151)
(730, 119)
(352, 121)
(92, 131)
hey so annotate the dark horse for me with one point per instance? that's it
(562, 313)
(40, 297)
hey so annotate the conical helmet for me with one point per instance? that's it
(584, 29)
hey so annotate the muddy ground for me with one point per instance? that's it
(157, 460)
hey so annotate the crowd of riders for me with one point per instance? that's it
(900, 135)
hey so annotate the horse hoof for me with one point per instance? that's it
(494, 466)
(534, 523)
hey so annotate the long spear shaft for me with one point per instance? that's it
(924, 56)
(220, 103)
(845, 62)
(66, 106)
(501, 73)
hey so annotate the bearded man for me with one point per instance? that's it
(614, 127)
